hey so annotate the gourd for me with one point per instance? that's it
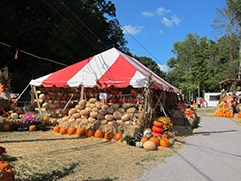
(139, 144)
(71, 130)
(32, 128)
(148, 135)
(158, 124)
(63, 131)
(144, 139)
(14, 115)
(80, 132)
(149, 145)
(6, 127)
(98, 133)
(156, 134)
(46, 120)
(8, 173)
(155, 140)
(118, 136)
(157, 129)
(109, 135)
(89, 132)
(56, 129)
(164, 142)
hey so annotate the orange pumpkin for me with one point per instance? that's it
(99, 133)
(165, 136)
(71, 130)
(9, 173)
(32, 128)
(155, 140)
(6, 127)
(109, 135)
(80, 132)
(144, 139)
(46, 120)
(63, 131)
(89, 132)
(164, 142)
(118, 136)
(56, 129)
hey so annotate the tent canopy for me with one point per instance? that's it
(111, 67)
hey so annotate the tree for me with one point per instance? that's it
(235, 8)
(66, 32)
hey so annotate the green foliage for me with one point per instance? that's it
(66, 32)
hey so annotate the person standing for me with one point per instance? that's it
(205, 103)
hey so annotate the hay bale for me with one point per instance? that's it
(132, 130)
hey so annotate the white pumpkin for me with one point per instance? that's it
(14, 115)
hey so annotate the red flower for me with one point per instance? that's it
(1, 108)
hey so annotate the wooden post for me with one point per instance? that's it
(82, 92)
(35, 93)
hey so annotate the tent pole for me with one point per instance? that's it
(35, 93)
(82, 92)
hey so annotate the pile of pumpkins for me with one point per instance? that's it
(6, 172)
(224, 113)
(87, 113)
(87, 133)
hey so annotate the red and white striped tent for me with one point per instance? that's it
(111, 67)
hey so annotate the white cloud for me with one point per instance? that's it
(164, 68)
(161, 32)
(169, 23)
(132, 29)
(161, 11)
(147, 13)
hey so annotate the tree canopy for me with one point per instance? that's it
(66, 32)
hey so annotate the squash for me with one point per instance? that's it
(80, 132)
(71, 130)
(14, 115)
(149, 145)
(6, 127)
(144, 139)
(139, 144)
(63, 131)
(56, 129)
(109, 135)
(157, 129)
(98, 133)
(148, 135)
(155, 140)
(158, 124)
(156, 134)
(46, 120)
(164, 142)
(89, 132)
(32, 128)
(118, 136)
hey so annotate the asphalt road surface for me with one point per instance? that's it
(213, 153)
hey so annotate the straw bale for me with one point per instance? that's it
(132, 130)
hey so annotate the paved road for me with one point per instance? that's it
(214, 153)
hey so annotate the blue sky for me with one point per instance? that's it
(157, 24)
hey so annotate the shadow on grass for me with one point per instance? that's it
(33, 140)
(58, 174)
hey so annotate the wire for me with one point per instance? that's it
(85, 26)
(142, 46)
(36, 55)
(71, 24)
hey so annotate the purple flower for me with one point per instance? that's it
(30, 118)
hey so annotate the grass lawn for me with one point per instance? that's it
(45, 155)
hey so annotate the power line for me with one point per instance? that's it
(71, 25)
(142, 46)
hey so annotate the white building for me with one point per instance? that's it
(214, 97)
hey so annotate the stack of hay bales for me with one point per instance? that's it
(111, 117)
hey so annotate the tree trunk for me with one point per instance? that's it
(239, 74)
